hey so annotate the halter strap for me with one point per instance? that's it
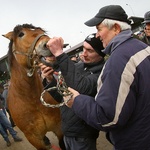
(31, 49)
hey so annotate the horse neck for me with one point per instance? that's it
(19, 79)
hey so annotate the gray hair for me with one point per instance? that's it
(109, 23)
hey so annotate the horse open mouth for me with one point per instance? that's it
(46, 57)
(44, 54)
(48, 62)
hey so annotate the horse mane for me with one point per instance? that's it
(10, 53)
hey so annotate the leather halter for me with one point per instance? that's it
(30, 55)
(31, 49)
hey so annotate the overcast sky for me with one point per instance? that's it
(63, 18)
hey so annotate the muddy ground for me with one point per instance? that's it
(102, 143)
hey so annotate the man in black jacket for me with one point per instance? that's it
(83, 77)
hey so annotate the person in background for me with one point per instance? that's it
(146, 37)
(4, 94)
(141, 34)
(82, 76)
(2, 106)
(122, 104)
(4, 135)
(5, 124)
(81, 57)
(74, 58)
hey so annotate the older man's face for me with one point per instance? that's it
(105, 34)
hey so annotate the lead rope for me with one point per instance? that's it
(62, 88)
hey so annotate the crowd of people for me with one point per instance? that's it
(110, 96)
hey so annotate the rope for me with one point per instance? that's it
(62, 88)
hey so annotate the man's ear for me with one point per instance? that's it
(117, 28)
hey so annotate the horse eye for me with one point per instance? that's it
(21, 34)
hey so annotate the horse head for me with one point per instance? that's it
(28, 46)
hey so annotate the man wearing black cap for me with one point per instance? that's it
(146, 37)
(122, 104)
(83, 77)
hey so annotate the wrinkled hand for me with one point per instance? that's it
(55, 45)
(71, 101)
(46, 72)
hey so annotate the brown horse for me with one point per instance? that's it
(27, 43)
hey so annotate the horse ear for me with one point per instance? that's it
(8, 35)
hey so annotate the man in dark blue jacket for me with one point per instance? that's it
(83, 77)
(122, 104)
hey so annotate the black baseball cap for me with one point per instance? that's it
(96, 43)
(114, 12)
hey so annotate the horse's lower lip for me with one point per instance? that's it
(47, 63)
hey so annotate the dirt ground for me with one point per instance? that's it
(102, 143)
